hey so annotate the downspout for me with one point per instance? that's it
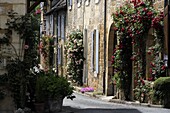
(104, 71)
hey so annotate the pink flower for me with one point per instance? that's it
(26, 46)
(113, 57)
(152, 64)
(163, 67)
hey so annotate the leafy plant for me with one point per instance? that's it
(19, 77)
(57, 87)
(40, 89)
(132, 23)
(161, 92)
(74, 52)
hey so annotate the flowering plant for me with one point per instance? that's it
(74, 53)
(132, 23)
(45, 47)
(87, 89)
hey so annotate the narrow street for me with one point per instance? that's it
(85, 104)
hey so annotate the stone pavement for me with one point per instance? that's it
(110, 99)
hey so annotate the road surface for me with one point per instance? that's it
(85, 104)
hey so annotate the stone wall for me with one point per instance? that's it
(90, 16)
(6, 52)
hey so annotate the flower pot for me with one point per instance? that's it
(39, 107)
(55, 104)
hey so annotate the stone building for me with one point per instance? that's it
(7, 52)
(94, 19)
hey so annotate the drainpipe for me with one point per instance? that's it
(104, 72)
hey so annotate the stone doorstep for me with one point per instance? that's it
(109, 99)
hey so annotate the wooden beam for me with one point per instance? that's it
(30, 8)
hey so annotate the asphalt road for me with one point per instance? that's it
(85, 104)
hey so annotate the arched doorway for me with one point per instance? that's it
(112, 42)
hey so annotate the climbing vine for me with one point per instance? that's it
(132, 22)
(74, 52)
(18, 77)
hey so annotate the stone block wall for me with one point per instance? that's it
(90, 16)
(19, 6)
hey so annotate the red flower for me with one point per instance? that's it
(163, 67)
(142, 81)
(120, 46)
(114, 50)
(133, 42)
(115, 28)
(150, 79)
(123, 29)
(26, 46)
(121, 12)
(112, 61)
(149, 52)
(133, 58)
(150, 70)
(152, 64)
(116, 14)
(113, 57)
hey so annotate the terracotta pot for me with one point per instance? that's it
(55, 105)
(39, 107)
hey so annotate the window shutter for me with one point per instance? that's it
(51, 24)
(59, 55)
(59, 26)
(97, 51)
(70, 2)
(92, 51)
(62, 26)
(47, 25)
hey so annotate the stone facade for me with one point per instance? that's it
(6, 52)
(18, 6)
(94, 19)
(88, 16)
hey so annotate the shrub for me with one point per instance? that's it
(58, 87)
(161, 92)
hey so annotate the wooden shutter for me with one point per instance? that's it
(92, 51)
(62, 26)
(59, 26)
(97, 51)
(59, 55)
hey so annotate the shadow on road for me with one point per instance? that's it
(98, 110)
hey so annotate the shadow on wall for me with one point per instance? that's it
(98, 110)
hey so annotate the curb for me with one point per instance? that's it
(118, 101)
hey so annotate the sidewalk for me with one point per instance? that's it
(110, 99)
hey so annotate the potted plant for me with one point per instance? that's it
(58, 88)
(39, 94)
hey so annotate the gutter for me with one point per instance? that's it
(104, 71)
